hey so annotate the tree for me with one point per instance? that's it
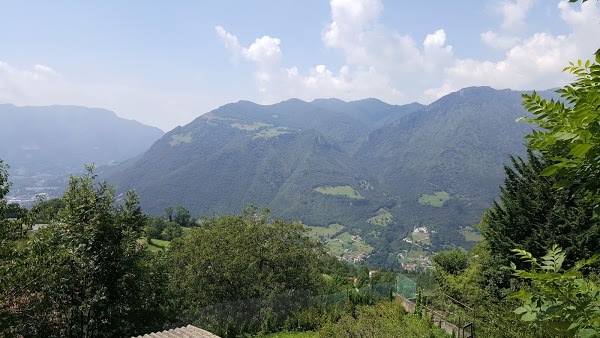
(362, 278)
(233, 258)
(83, 276)
(47, 211)
(533, 216)
(171, 231)
(169, 212)
(4, 188)
(182, 216)
(561, 301)
(451, 262)
(570, 129)
(154, 228)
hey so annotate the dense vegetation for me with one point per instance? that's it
(334, 162)
(88, 271)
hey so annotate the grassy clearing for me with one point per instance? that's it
(250, 127)
(382, 218)
(324, 232)
(437, 200)
(180, 138)
(293, 335)
(346, 244)
(472, 235)
(271, 132)
(419, 237)
(342, 190)
(156, 245)
(416, 254)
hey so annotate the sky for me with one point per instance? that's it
(164, 63)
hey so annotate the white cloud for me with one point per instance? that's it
(374, 57)
(42, 85)
(534, 62)
(514, 14)
(499, 41)
(264, 50)
(18, 84)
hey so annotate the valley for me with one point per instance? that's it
(379, 170)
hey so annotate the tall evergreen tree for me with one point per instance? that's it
(533, 216)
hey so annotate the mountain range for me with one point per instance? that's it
(43, 145)
(378, 170)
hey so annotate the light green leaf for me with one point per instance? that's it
(564, 135)
(551, 170)
(587, 333)
(529, 317)
(580, 150)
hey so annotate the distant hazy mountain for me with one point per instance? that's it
(42, 143)
(377, 169)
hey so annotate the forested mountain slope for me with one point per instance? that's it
(377, 169)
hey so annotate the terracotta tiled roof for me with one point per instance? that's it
(189, 331)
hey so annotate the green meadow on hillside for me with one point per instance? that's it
(437, 200)
(342, 190)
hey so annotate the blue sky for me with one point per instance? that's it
(166, 62)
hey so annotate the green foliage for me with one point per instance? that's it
(154, 228)
(533, 215)
(233, 258)
(564, 302)
(171, 231)
(466, 296)
(348, 149)
(85, 275)
(362, 278)
(4, 188)
(451, 262)
(47, 211)
(182, 216)
(293, 335)
(437, 200)
(345, 190)
(570, 129)
(386, 319)
(382, 218)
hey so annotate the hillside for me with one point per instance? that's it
(376, 169)
(44, 144)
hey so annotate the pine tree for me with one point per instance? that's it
(533, 216)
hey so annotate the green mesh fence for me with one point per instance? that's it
(406, 287)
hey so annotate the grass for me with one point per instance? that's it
(382, 218)
(156, 245)
(342, 190)
(339, 243)
(343, 244)
(250, 127)
(180, 138)
(415, 254)
(321, 232)
(472, 235)
(419, 237)
(293, 335)
(271, 132)
(437, 200)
